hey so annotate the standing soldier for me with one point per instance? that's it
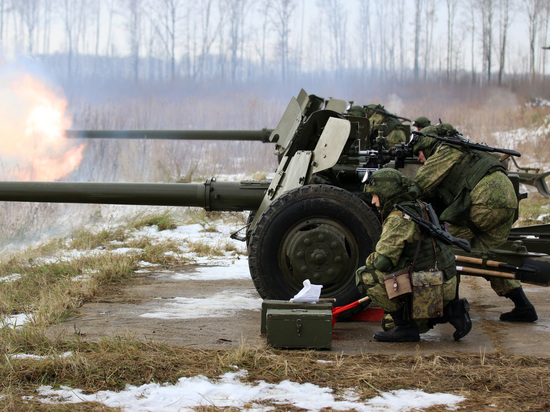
(477, 200)
(400, 244)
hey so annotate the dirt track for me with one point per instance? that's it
(118, 313)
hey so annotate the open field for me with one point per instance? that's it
(80, 297)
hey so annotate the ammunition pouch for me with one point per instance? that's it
(398, 283)
(427, 294)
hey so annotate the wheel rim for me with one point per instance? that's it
(321, 250)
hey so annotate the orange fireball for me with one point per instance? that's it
(33, 120)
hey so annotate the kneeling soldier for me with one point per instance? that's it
(402, 245)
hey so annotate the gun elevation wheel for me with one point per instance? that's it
(316, 232)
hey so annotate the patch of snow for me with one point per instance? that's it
(220, 305)
(235, 269)
(229, 391)
(14, 321)
(538, 102)
(10, 278)
(145, 264)
(30, 356)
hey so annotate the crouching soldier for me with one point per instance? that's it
(403, 248)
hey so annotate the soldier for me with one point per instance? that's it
(396, 249)
(421, 122)
(393, 130)
(356, 110)
(477, 199)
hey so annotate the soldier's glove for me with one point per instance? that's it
(416, 190)
(382, 263)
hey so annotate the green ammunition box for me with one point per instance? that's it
(299, 328)
(324, 304)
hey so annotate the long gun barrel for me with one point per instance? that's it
(211, 195)
(244, 135)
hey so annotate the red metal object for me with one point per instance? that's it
(340, 309)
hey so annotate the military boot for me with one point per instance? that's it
(524, 311)
(456, 312)
(403, 331)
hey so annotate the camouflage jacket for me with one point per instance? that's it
(398, 243)
(450, 175)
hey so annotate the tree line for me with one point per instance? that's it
(243, 40)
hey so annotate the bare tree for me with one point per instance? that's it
(486, 9)
(451, 14)
(384, 46)
(470, 26)
(237, 12)
(46, 29)
(336, 20)
(504, 25)
(165, 17)
(111, 6)
(419, 4)
(545, 33)
(97, 17)
(400, 9)
(28, 12)
(2, 12)
(264, 10)
(73, 15)
(209, 30)
(365, 36)
(429, 23)
(534, 11)
(134, 29)
(281, 22)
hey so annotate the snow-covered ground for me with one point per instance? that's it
(228, 390)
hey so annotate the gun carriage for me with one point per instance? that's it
(311, 220)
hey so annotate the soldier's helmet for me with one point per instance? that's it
(358, 111)
(428, 144)
(387, 183)
(422, 122)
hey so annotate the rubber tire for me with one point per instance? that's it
(327, 204)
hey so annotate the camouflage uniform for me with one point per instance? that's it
(476, 196)
(393, 131)
(395, 250)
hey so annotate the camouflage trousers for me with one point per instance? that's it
(492, 213)
(372, 282)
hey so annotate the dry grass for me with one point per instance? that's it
(492, 382)
(54, 290)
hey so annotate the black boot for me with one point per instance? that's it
(403, 331)
(524, 311)
(457, 314)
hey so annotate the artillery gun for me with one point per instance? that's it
(310, 221)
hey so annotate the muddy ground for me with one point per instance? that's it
(119, 312)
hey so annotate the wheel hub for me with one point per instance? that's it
(318, 251)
